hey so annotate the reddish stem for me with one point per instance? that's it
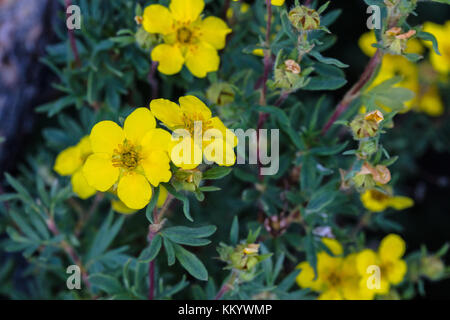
(355, 91)
(73, 43)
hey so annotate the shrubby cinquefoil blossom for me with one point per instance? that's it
(128, 160)
(188, 39)
(215, 141)
(69, 162)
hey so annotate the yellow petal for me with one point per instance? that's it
(364, 259)
(185, 153)
(134, 191)
(120, 207)
(397, 271)
(169, 57)
(85, 146)
(334, 246)
(277, 2)
(157, 19)
(305, 279)
(137, 124)
(365, 43)
(228, 135)
(106, 136)
(372, 203)
(80, 185)
(202, 58)
(68, 161)
(330, 295)
(162, 196)
(186, 10)
(192, 106)
(168, 112)
(156, 139)
(214, 31)
(157, 168)
(392, 248)
(99, 171)
(401, 203)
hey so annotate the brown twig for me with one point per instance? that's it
(70, 252)
(85, 217)
(355, 91)
(152, 231)
(73, 43)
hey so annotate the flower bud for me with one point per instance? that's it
(220, 93)
(188, 180)
(363, 128)
(287, 75)
(304, 18)
(144, 39)
(432, 267)
(396, 41)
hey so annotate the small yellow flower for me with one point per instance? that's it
(194, 117)
(277, 3)
(244, 7)
(337, 276)
(377, 201)
(188, 39)
(258, 52)
(128, 160)
(69, 163)
(389, 261)
(430, 102)
(440, 62)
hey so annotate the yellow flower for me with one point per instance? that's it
(69, 163)
(188, 39)
(367, 39)
(244, 7)
(337, 276)
(394, 65)
(194, 118)
(376, 201)
(120, 207)
(128, 160)
(430, 102)
(440, 62)
(258, 52)
(389, 261)
(274, 2)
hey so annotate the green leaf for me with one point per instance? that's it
(429, 37)
(183, 198)
(151, 206)
(168, 247)
(311, 255)
(150, 253)
(234, 232)
(216, 173)
(200, 232)
(320, 200)
(324, 60)
(191, 263)
(105, 283)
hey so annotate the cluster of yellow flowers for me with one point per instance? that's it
(358, 275)
(128, 161)
(187, 38)
(417, 78)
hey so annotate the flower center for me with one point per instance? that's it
(126, 156)
(196, 124)
(378, 196)
(184, 35)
